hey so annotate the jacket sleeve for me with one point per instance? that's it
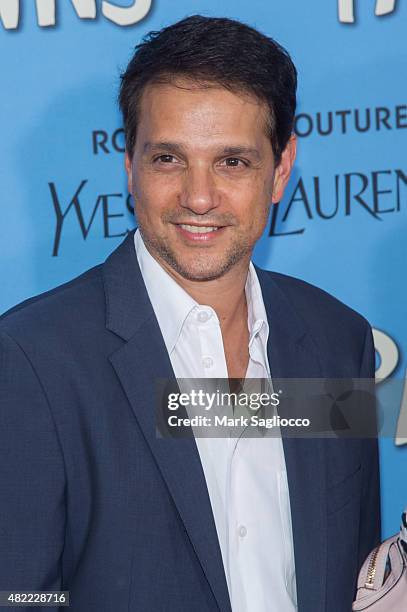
(370, 519)
(32, 479)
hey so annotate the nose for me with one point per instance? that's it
(199, 190)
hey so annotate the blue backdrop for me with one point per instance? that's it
(342, 223)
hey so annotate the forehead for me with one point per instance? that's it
(208, 112)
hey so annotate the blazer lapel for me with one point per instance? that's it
(142, 360)
(292, 354)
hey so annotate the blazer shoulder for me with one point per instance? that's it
(338, 331)
(72, 301)
(340, 334)
(313, 302)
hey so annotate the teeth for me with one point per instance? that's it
(198, 230)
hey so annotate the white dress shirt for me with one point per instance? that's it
(245, 476)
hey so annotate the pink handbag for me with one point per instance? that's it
(382, 582)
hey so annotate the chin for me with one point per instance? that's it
(202, 276)
(196, 273)
(200, 266)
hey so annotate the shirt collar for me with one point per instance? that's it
(256, 312)
(172, 304)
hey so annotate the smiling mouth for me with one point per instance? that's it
(199, 229)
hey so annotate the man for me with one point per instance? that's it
(95, 503)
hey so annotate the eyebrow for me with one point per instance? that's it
(177, 147)
(162, 146)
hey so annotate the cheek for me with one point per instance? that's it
(260, 201)
(268, 187)
(153, 187)
(154, 199)
(260, 216)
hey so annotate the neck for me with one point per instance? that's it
(226, 295)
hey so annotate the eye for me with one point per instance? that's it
(165, 159)
(234, 162)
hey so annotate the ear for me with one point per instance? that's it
(283, 170)
(128, 166)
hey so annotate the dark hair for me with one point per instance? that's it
(214, 50)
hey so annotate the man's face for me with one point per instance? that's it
(203, 177)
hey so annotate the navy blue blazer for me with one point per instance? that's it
(94, 503)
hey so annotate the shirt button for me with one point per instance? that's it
(242, 531)
(203, 316)
(207, 362)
